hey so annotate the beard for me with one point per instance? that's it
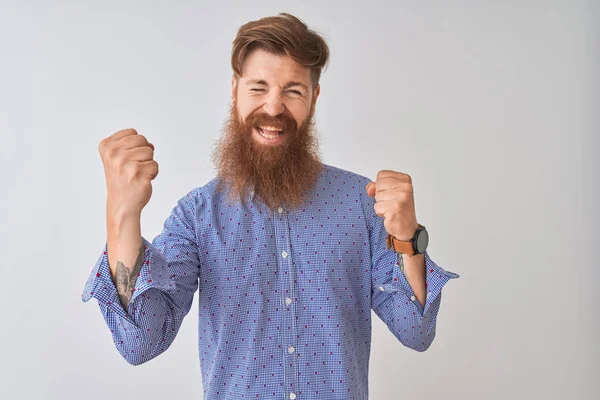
(281, 174)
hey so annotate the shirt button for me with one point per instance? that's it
(284, 254)
(413, 298)
(291, 349)
(288, 301)
(280, 210)
(381, 288)
(292, 395)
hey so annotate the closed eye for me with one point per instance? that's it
(257, 90)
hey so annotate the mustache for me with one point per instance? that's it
(281, 121)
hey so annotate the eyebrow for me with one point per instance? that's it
(286, 86)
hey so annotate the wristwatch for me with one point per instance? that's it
(416, 245)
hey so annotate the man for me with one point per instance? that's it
(289, 254)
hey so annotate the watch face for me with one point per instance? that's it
(422, 241)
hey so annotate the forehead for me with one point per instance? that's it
(275, 69)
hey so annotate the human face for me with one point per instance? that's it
(275, 87)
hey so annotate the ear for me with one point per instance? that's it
(316, 93)
(233, 86)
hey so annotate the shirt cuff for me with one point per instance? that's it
(152, 275)
(436, 278)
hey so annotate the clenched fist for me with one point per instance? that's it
(129, 167)
(394, 201)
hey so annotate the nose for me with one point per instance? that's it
(274, 105)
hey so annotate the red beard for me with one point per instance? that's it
(280, 175)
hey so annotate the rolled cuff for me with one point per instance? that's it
(152, 275)
(436, 278)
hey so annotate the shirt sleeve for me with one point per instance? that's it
(163, 292)
(392, 297)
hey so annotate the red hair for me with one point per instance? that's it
(284, 34)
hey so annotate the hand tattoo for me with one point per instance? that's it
(126, 277)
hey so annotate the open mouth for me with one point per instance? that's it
(269, 132)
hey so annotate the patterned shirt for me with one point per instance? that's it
(285, 296)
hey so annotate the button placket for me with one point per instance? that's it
(287, 284)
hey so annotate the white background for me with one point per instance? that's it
(491, 107)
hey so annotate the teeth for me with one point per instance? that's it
(266, 135)
(270, 128)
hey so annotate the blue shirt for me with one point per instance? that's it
(285, 296)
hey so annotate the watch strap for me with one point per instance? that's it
(401, 246)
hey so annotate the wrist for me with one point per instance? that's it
(408, 234)
(119, 213)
